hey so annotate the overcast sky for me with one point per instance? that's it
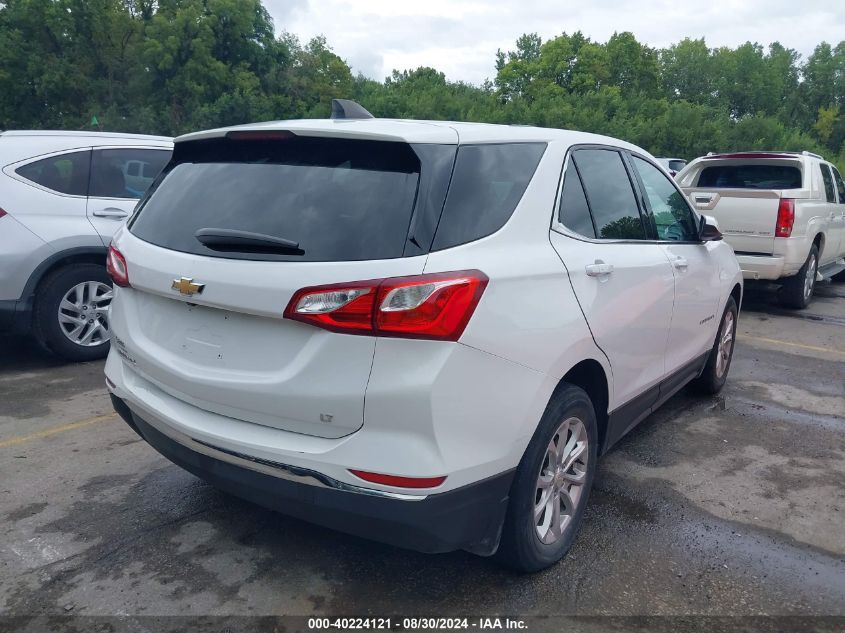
(460, 37)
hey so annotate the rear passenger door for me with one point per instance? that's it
(697, 272)
(119, 178)
(623, 280)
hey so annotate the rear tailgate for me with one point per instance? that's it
(228, 350)
(746, 217)
(744, 196)
(204, 322)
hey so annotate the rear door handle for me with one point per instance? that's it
(111, 212)
(680, 263)
(599, 269)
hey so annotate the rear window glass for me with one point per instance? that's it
(609, 193)
(340, 200)
(65, 173)
(677, 165)
(829, 187)
(574, 212)
(126, 172)
(840, 186)
(751, 177)
(487, 183)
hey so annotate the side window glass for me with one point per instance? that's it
(611, 197)
(840, 185)
(125, 173)
(488, 182)
(828, 183)
(65, 173)
(574, 213)
(672, 215)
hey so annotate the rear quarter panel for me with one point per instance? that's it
(21, 251)
(528, 314)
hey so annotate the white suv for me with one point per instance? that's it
(419, 332)
(62, 196)
(783, 213)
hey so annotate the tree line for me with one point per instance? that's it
(173, 66)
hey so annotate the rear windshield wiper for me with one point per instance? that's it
(235, 241)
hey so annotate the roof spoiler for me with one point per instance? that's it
(348, 109)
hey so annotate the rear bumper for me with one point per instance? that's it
(15, 316)
(7, 315)
(761, 266)
(467, 518)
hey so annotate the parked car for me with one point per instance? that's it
(62, 196)
(783, 213)
(418, 332)
(673, 165)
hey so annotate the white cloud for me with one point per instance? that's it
(460, 37)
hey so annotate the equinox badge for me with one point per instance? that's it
(186, 286)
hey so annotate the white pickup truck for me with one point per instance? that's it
(783, 213)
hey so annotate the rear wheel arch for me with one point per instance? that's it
(81, 255)
(590, 376)
(736, 293)
(819, 240)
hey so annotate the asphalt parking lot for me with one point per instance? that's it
(732, 505)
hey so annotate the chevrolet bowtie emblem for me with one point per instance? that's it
(186, 286)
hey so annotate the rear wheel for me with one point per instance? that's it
(552, 483)
(715, 372)
(797, 291)
(71, 312)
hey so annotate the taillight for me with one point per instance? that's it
(399, 482)
(2, 213)
(116, 267)
(786, 217)
(436, 306)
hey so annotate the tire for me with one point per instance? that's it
(797, 291)
(75, 282)
(522, 547)
(718, 364)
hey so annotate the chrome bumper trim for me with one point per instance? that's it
(268, 467)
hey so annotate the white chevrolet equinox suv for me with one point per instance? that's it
(418, 332)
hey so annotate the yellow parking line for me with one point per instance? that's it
(774, 341)
(14, 441)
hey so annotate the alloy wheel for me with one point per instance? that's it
(810, 277)
(83, 313)
(726, 343)
(560, 482)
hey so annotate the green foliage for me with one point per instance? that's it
(624, 228)
(171, 66)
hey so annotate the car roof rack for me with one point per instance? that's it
(760, 151)
(348, 109)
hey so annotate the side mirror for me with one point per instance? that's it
(708, 229)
